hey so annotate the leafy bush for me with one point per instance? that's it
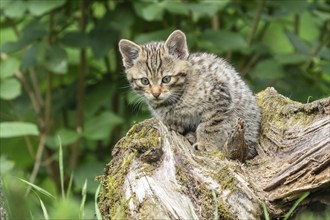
(61, 74)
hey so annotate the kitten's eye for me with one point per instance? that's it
(166, 79)
(145, 81)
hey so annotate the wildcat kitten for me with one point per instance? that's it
(195, 92)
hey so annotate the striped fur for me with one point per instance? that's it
(204, 95)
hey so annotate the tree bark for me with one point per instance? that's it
(3, 212)
(156, 174)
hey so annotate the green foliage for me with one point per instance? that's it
(14, 129)
(61, 75)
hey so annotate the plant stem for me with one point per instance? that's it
(324, 40)
(255, 22)
(35, 86)
(46, 122)
(296, 24)
(81, 89)
(215, 22)
(37, 163)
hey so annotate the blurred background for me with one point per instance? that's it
(65, 101)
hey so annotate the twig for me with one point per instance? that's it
(250, 64)
(37, 163)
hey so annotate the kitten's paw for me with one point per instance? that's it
(191, 137)
(176, 128)
(204, 146)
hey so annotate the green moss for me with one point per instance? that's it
(112, 184)
(219, 155)
(281, 113)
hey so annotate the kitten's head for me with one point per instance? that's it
(157, 70)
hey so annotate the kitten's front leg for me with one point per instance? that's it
(212, 134)
(176, 128)
(190, 135)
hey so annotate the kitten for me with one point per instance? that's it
(197, 92)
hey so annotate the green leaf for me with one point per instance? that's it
(37, 188)
(120, 19)
(67, 136)
(176, 7)
(312, 26)
(216, 208)
(101, 126)
(54, 59)
(44, 210)
(35, 30)
(268, 69)
(83, 200)
(16, 129)
(277, 40)
(10, 88)
(75, 39)
(206, 8)
(31, 32)
(290, 58)
(324, 53)
(301, 198)
(30, 57)
(217, 41)
(97, 210)
(153, 12)
(14, 8)
(37, 7)
(298, 43)
(149, 11)
(11, 47)
(294, 6)
(101, 41)
(8, 67)
(266, 215)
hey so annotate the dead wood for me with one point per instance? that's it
(155, 173)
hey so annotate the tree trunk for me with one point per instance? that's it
(155, 173)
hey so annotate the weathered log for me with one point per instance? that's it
(156, 174)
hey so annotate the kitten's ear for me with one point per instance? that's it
(129, 51)
(176, 45)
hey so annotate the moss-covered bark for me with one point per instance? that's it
(141, 140)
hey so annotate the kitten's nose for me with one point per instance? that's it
(155, 94)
